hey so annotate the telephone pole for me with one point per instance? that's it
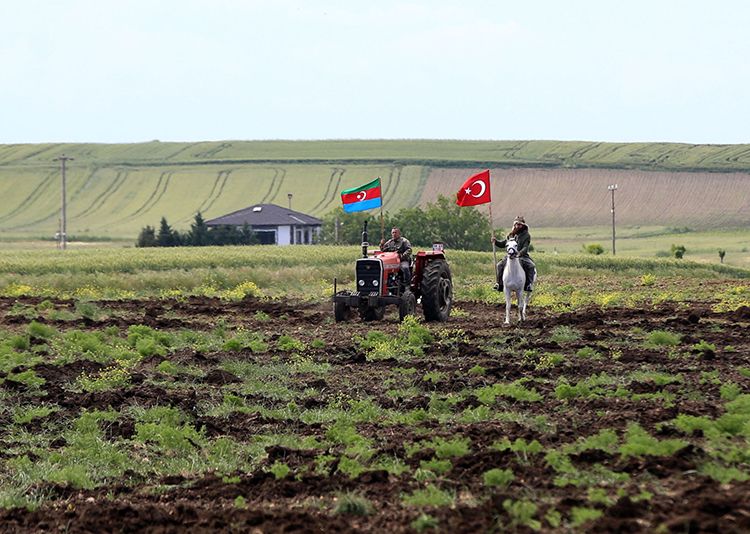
(612, 189)
(63, 159)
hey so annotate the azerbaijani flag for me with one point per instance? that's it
(364, 197)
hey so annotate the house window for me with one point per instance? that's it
(266, 237)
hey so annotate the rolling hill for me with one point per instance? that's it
(115, 190)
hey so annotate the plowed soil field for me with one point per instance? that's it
(476, 397)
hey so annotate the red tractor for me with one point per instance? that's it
(380, 282)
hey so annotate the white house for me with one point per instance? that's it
(273, 224)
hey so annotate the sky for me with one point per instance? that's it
(202, 70)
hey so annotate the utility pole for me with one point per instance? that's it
(63, 223)
(612, 189)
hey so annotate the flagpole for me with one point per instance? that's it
(492, 231)
(382, 222)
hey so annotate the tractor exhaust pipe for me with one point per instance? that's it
(365, 244)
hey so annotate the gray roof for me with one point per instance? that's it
(265, 215)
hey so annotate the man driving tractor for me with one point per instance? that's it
(398, 243)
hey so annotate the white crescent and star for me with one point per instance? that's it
(361, 198)
(482, 188)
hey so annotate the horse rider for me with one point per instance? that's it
(398, 243)
(520, 233)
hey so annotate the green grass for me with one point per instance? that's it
(308, 271)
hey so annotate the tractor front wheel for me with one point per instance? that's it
(372, 314)
(408, 304)
(341, 310)
(437, 291)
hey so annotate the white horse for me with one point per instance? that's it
(514, 280)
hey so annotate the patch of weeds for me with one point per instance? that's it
(553, 518)
(168, 428)
(498, 478)
(424, 522)
(710, 377)
(594, 386)
(10, 359)
(279, 470)
(478, 370)
(476, 415)
(434, 377)
(393, 465)
(730, 391)
(412, 337)
(22, 310)
(580, 515)
(450, 338)
(515, 390)
(244, 339)
(26, 414)
(638, 442)
(318, 344)
(352, 503)
(89, 310)
(287, 343)
(564, 334)
(40, 331)
(351, 467)
(660, 379)
(662, 338)
(744, 371)
(439, 467)
(704, 349)
(449, 448)
(520, 447)
(240, 502)
(113, 377)
(168, 368)
(522, 513)
(28, 378)
(431, 496)
(589, 353)
(148, 341)
(605, 440)
(600, 496)
(722, 473)
(458, 312)
(261, 316)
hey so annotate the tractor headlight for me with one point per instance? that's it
(361, 283)
(375, 283)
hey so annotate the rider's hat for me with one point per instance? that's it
(520, 220)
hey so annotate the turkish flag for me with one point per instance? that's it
(475, 191)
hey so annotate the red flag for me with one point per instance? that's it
(475, 191)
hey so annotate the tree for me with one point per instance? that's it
(248, 236)
(722, 253)
(198, 235)
(678, 251)
(458, 227)
(167, 237)
(147, 237)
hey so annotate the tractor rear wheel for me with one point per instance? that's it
(408, 304)
(437, 291)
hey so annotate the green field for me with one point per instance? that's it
(113, 191)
